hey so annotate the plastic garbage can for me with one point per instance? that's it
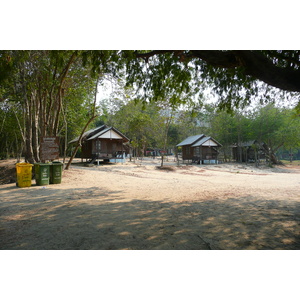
(42, 173)
(56, 172)
(24, 174)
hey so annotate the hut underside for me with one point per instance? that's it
(200, 155)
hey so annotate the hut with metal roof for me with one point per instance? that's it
(249, 151)
(200, 149)
(103, 143)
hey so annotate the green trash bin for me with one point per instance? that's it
(56, 172)
(42, 173)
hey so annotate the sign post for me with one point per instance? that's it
(49, 148)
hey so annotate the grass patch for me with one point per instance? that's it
(293, 163)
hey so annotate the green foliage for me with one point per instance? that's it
(160, 78)
(223, 127)
(51, 88)
(136, 122)
(53, 91)
(174, 75)
(236, 77)
(276, 126)
(10, 134)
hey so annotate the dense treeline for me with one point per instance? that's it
(159, 126)
(43, 93)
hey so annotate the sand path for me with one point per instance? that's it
(137, 206)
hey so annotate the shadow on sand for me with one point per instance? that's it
(92, 218)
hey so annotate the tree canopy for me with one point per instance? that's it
(276, 68)
(237, 77)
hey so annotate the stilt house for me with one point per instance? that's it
(200, 149)
(249, 151)
(103, 143)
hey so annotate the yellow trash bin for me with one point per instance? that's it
(24, 174)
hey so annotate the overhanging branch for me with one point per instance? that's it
(253, 63)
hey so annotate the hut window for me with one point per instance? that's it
(98, 146)
(188, 150)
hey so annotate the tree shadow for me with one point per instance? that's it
(93, 218)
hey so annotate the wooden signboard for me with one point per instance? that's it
(49, 148)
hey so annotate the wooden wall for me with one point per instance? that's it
(201, 153)
(187, 152)
(108, 148)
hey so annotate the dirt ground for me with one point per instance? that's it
(136, 205)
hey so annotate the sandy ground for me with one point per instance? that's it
(139, 206)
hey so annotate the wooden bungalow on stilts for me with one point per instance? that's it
(200, 149)
(103, 143)
(250, 151)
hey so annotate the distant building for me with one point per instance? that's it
(249, 151)
(200, 149)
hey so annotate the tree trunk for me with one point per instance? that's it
(85, 127)
(79, 142)
(274, 159)
(29, 157)
(224, 153)
(35, 131)
(255, 156)
(162, 160)
(270, 153)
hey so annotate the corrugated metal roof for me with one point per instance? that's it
(203, 140)
(99, 133)
(88, 133)
(247, 144)
(191, 140)
(200, 142)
